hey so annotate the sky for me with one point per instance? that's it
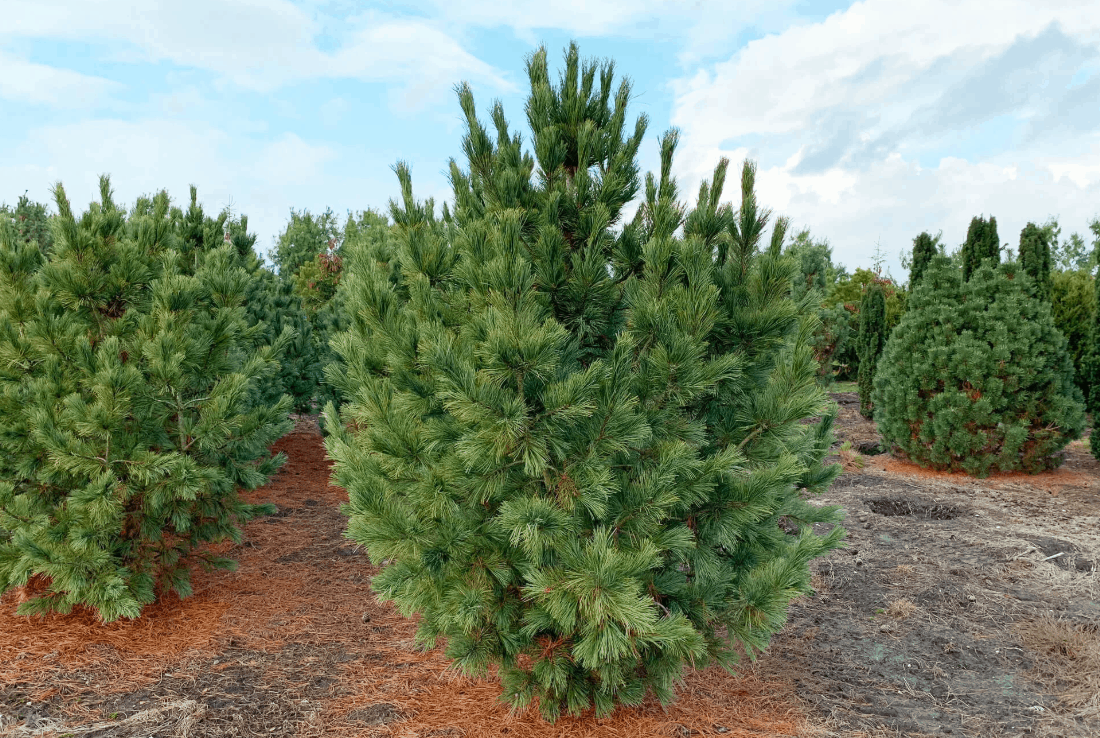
(869, 121)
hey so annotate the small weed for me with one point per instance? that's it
(850, 459)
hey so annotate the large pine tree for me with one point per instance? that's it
(127, 370)
(579, 453)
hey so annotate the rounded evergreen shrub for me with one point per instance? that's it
(976, 377)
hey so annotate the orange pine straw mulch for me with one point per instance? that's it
(298, 582)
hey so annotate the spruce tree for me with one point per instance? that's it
(976, 377)
(924, 250)
(982, 242)
(126, 376)
(579, 453)
(1035, 258)
(872, 339)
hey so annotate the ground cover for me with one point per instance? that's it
(960, 607)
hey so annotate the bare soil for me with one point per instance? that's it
(960, 607)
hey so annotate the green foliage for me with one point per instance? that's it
(872, 339)
(815, 276)
(30, 222)
(976, 377)
(1035, 258)
(271, 307)
(925, 248)
(1074, 254)
(127, 370)
(368, 241)
(1073, 306)
(848, 293)
(305, 236)
(580, 453)
(982, 242)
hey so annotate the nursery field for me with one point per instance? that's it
(960, 607)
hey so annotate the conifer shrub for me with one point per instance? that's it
(872, 339)
(579, 453)
(1035, 258)
(271, 305)
(976, 377)
(1073, 305)
(924, 250)
(127, 370)
(982, 243)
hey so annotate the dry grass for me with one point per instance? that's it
(900, 609)
(850, 459)
(1067, 662)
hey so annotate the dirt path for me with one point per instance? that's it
(960, 607)
(941, 618)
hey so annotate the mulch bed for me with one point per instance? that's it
(294, 643)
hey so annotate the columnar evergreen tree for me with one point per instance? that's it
(580, 455)
(872, 339)
(976, 377)
(924, 250)
(128, 428)
(982, 242)
(1073, 306)
(1035, 258)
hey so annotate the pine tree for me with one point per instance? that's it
(126, 370)
(578, 454)
(976, 377)
(305, 236)
(30, 222)
(982, 242)
(872, 339)
(1035, 258)
(271, 304)
(924, 250)
(367, 241)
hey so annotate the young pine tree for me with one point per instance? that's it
(579, 454)
(924, 250)
(270, 302)
(976, 377)
(982, 242)
(126, 370)
(30, 222)
(872, 339)
(1035, 258)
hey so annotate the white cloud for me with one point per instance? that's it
(24, 81)
(841, 113)
(259, 45)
